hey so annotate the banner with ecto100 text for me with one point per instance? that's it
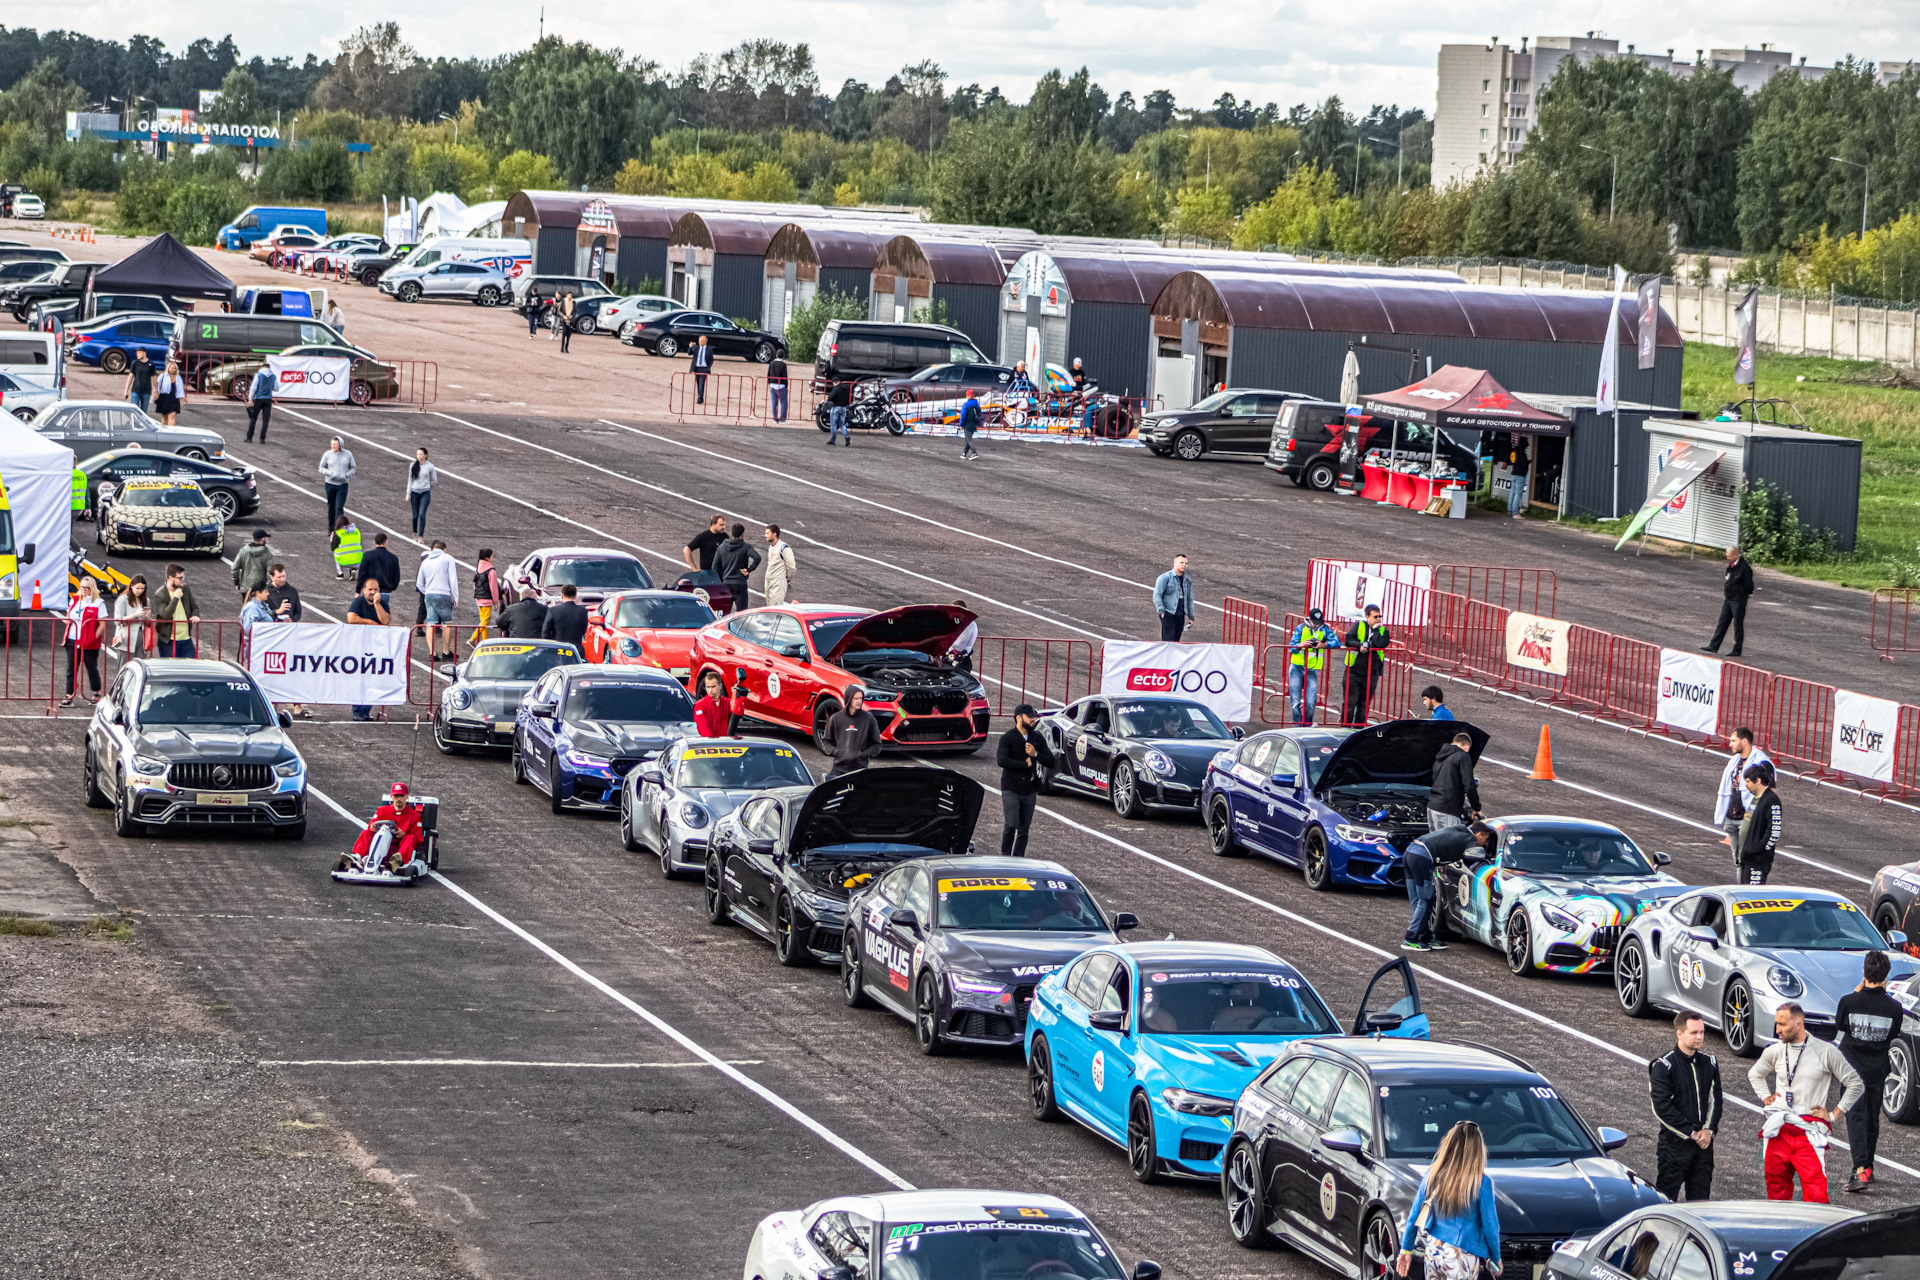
(310, 377)
(1538, 643)
(1689, 695)
(327, 664)
(1863, 732)
(1218, 676)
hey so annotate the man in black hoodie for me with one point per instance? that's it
(566, 621)
(1733, 607)
(1454, 793)
(1762, 835)
(524, 620)
(855, 735)
(1022, 755)
(733, 560)
(383, 567)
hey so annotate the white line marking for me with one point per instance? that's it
(658, 1023)
(491, 1062)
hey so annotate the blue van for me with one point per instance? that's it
(259, 221)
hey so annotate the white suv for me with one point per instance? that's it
(469, 281)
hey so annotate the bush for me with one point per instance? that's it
(807, 323)
(319, 172)
(43, 181)
(1771, 532)
(88, 166)
(141, 205)
(197, 209)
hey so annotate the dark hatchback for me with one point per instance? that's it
(231, 490)
(1236, 421)
(1330, 1142)
(674, 333)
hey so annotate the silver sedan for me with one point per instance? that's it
(670, 806)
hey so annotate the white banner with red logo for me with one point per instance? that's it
(1538, 643)
(329, 664)
(1863, 733)
(1400, 590)
(1218, 676)
(1689, 691)
(310, 377)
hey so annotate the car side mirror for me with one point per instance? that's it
(448, 671)
(1125, 920)
(1286, 780)
(1108, 1020)
(1146, 1269)
(1476, 853)
(1896, 938)
(653, 775)
(1238, 733)
(906, 918)
(1704, 934)
(1662, 859)
(544, 710)
(763, 848)
(1612, 1139)
(841, 1272)
(1347, 1140)
(285, 719)
(1383, 1021)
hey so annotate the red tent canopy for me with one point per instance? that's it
(1452, 397)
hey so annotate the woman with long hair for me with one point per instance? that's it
(133, 620)
(420, 478)
(86, 627)
(169, 393)
(1454, 1218)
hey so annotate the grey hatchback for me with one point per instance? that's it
(93, 426)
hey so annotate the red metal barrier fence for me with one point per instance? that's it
(1392, 693)
(1889, 627)
(1045, 672)
(740, 398)
(1246, 623)
(418, 382)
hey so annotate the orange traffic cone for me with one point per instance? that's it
(1543, 757)
(36, 595)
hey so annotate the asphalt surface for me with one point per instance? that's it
(573, 1071)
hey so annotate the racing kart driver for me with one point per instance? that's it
(409, 832)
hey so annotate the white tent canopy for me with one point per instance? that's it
(38, 476)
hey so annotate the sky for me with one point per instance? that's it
(1282, 51)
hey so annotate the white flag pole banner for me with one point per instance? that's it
(1689, 691)
(1218, 676)
(329, 664)
(1538, 643)
(1400, 595)
(311, 377)
(1863, 733)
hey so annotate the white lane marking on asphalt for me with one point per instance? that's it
(217, 915)
(360, 516)
(1380, 953)
(665, 1028)
(494, 1062)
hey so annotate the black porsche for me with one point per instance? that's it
(784, 863)
(1136, 751)
(957, 945)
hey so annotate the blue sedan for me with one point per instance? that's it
(1340, 804)
(1149, 1044)
(111, 345)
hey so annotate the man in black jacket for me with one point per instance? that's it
(855, 735)
(1763, 826)
(1365, 663)
(1450, 844)
(732, 562)
(1455, 792)
(525, 619)
(1733, 607)
(702, 365)
(383, 567)
(1685, 1086)
(1869, 1021)
(566, 621)
(1022, 755)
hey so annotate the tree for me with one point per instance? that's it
(239, 101)
(919, 116)
(524, 171)
(373, 75)
(758, 84)
(41, 101)
(579, 105)
(1325, 134)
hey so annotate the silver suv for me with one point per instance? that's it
(470, 281)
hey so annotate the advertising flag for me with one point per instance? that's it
(1649, 320)
(1605, 391)
(1748, 315)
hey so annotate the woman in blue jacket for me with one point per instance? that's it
(1454, 1212)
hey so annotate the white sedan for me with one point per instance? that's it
(624, 315)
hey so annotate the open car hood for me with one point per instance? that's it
(932, 808)
(1879, 1246)
(930, 628)
(1398, 751)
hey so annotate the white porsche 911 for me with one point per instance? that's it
(924, 1235)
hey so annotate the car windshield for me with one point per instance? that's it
(1803, 924)
(518, 661)
(179, 495)
(1317, 749)
(677, 612)
(1573, 852)
(209, 701)
(828, 632)
(625, 703)
(1038, 902)
(1253, 1000)
(1214, 401)
(1518, 1121)
(1059, 1248)
(752, 766)
(1169, 720)
(598, 573)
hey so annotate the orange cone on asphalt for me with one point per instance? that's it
(1543, 757)
(35, 606)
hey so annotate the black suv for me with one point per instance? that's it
(1305, 445)
(69, 280)
(1234, 421)
(854, 349)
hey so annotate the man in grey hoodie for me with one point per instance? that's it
(336, 468)
(252, 565)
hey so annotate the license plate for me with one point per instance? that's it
(221, 799)
(168, 535)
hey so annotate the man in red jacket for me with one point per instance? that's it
(410, 833)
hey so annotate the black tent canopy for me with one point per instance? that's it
(164, 266)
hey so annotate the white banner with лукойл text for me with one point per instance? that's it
(332, 665)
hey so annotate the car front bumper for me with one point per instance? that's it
(473, 729)
(156, 539)
(1190, 1146)
(958, 729)
(161, 804)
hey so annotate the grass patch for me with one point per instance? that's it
(23, 927)
(10, 823)
(109, 929)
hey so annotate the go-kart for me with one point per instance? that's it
(382, 863)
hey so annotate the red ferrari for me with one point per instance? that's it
(647, 629)
(801, 659)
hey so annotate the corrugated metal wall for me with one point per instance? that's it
(855, 282)
(1821, 474)
(553, 251)
(642, 258)
(975, 311)
(738, 281)
(1113, 339)
(1589, 475)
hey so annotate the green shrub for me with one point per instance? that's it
(810, 321)
(1771, 532)
(44, 181)
(320, 171)
(140, 207)
(88, 166)
(198, 208)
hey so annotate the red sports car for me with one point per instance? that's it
(800, 660)
(647, 629)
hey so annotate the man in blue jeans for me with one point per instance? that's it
(1449, 844)
(777, 388)
(839, 402)
(1306, 659)
(1173, 600)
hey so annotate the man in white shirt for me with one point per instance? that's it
(962, 650)
(1730, 803)
(1794, 1080)
(439, 585)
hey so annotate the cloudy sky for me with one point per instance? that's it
(1282, 51)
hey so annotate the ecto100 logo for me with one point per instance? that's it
(311, 377)
(1166, 680)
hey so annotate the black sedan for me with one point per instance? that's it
(1330, 1142)
(231, 490)
(1711, 1240)
(1137, 751)
(784, 863)
(1236, 422)
(483, 694)
(674, 333)
(957, 945)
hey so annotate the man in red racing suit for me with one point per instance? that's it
(406, 820)
(716, 715)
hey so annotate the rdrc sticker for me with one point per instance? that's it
(995, 882)
(1756, 906)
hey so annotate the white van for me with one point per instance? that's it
(513, 257)
(31, 358)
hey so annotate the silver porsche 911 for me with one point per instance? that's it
(669, 806)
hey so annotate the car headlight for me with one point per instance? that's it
(879, 695)
(290, 768)
(1559, 918)
(694, 815)
(1361, 835)
(581, 760)
(975, 987)
(153, 766)
(206, 528)
(1785, 981)
(976, 690)
(1187, 1102)
(122, 527)
(1157, 762)
(459, 699)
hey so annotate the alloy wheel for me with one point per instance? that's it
(853, 987)
(224, 503)
(1316, 868)
(714, 893)
(1220, 827)
(1630, 979)
(1188, 446)
(787, 944)
(1246, 1213)
(1040, 1082)
(1519, 943)
(1142, 1157)
(926, 1017)
(1736, 1018)
(666, 347)
(1380, 1247)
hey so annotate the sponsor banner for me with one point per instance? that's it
(1686, 463)
(327, 664)
(1537, 643)
(1218, 676)
(310, 377)
(1399, 589)
(1863, 733)
(1689, 691)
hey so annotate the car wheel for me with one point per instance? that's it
(627, 839)
(666, 347)
(1040, 1099)
(1246, 1202)
(1630, 979)
(667, 870)
(1189, 445)
(1519, 940)
(370, 277)
(409, 292)
(554, 802)
(1316, 865)
(114, 361)
(821, 714)
(1379, 1248)
(225, 503)
(1736, 1019)
(1901, 1101)
(1220, 829)
(519, 764)
(1143, 1155)
(1124, 790)
(440, 740)
(1886, 918)
(124, 823)
(853, 988)
(585, 326)
(714, 895)
(764, 352)
(489, 295)
(926, 1018)
(90, 780)
(196, 453)
(788, 942)
(1320, 475)
(361, 393)
(25, 415)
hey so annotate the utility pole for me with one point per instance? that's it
(1614, 190)
(1866, 183)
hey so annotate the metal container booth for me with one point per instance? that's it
(805, 258)
(1819, 474)
(964, 271)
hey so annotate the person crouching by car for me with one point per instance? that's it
(1023, 754)
(716, 715)
(855, 735)
(1447, 844)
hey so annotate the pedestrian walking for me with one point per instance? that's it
(777, 388)
(1868, 1021)
(566, 621)
(839, 408)
(489, 595)
(524, 619)
(702, 365)
(169, 393)
(960, 653)
(438, 582)
(699, 551)
(252, 565)
(1454, 1211)
(563, 320)
(1434, 699)
(734, 560)
(420, 477)
(336, 469)
(1760, 829)
(1734, 592)
(133, 633)
(382, 566)
(550, 316)
(1684, 1084)
(1173, 599)
(260, 391)
(1306, 662)
(174, 605)
(532, 308)
(781, 567)
(86, 632)
(1024, 757)
(1730, 802)
(1365, 663)
(716, 715)
(1454, 795)
(1443, 844)
(969, 424)
(139, 388)
(855, 735)
(368, 609)
(344, 542)
(1794, 1081)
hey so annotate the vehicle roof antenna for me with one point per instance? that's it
(414, 754)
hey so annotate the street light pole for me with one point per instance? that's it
(456, 126)
(1399, 156)
(1866, 182)
(1614, 190)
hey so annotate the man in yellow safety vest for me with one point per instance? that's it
(1364, 664)
(346, 548)
(1307, 649)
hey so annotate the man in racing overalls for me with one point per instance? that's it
(409, 833)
